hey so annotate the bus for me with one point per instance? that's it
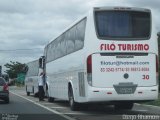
(109, 55)
(31, 79)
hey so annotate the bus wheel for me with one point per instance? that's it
(28, 93)
(124, 106)
(50, 99)
(73, 105)
(36, 94)
(46, 93)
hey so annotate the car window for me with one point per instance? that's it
(2, 81)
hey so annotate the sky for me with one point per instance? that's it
(26, 26)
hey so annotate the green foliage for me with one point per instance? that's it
(13, 68)
(155, 103)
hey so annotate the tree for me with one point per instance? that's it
(13, 68)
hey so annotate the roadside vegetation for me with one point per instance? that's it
(16, 72)
(155, 103)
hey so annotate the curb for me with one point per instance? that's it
(151, 108)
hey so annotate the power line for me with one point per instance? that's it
(10, 50)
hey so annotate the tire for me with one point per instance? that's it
(124, 106)
(73, 105)
(36, 94)
(28, 93)
(46, 94)
(50, 99)
(7, 100)
(33, 89)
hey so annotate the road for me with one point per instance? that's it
(25, 110)
(22, 104)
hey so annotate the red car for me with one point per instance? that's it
(4, 90)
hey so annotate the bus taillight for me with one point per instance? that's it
(89, 64)
(89, 70)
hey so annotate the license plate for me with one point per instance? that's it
(125, 90)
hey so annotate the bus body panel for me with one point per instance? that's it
(31, 84)
(103, 82)
(109, 70)
(141, 94)
(31, 79)
(61, 71)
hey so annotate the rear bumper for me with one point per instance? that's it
(4, 94)
(109, 94)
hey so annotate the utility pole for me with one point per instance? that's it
(0, 71)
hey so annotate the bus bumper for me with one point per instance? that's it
(109, 94)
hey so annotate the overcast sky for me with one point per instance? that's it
(30, 24)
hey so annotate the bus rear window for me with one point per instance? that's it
(123, 24)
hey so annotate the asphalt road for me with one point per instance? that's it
(25, 110)
(24, 105)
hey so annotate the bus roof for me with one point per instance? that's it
(67, 28)
(122, 8)
(98, 8)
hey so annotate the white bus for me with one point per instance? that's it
(31, 79)
(109, 55)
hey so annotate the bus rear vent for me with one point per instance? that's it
(81, 84)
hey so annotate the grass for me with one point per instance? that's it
(155, 103)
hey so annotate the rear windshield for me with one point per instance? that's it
(123, 24)
(2, 81)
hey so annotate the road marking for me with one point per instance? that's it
(78, 114)
(141, 110)
(57, 107)
(46, 103)
(51, 110)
